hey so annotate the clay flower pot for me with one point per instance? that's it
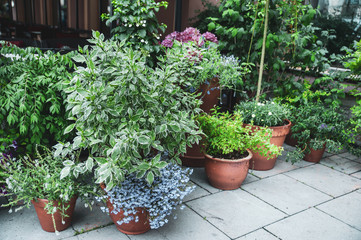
(227, 174)
(315, 156)
(210, 93)
(133, 227)
(279, 134)
(290, 140)
(46, 220)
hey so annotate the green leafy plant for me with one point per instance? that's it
(291, 42)
(32, 97)
(29, 178)
(126, 114)
(316, 126)
(226, 137)
(267, 113)
(136, 24)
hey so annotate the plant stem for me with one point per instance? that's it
(263, 53)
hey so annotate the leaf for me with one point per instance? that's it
(150, 177)
(89, 164)
(64, 172)
(161, 164)
(211, 26)
(69, 128)
(144, 166)
(144, 140)
(79, 58)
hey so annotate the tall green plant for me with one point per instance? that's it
(126, 113)
(32, 97)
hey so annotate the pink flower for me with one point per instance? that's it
(210, 37)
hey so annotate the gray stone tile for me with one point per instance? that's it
(236, 212)
(200, 178)
(85, 219)
(341, 164)
(106, 233)
(280, 167)
(346, 208)
(313, 224)
(150, 235)
(71, 238)
(326, 180)
(250, 178)
(356, 159)
(286, 194)
(348, 156)
(24, 225)
(189, 225)
(197, 193)
(260, 234)
(357, 175)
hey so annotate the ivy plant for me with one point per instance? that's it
(32, 97)
(126, 113)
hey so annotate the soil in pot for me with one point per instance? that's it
(46, 220)
(227, 174)
(279, 134)
(315, 156)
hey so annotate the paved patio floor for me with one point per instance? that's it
(303, 201)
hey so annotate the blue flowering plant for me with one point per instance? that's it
(316, 126)
(266, 114)
(159, 199)
(7, 151)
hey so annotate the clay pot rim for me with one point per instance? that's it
(274, 127)
(248, 158)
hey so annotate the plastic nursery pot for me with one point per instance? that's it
(46, 220)
(227, 174)
(279, 134)
(133, 227)
(315, 156)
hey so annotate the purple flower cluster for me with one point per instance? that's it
(189, 34)
(160, 199)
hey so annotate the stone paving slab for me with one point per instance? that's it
(286, 193)
(236, 212)
(260, 234)
(250, 178)
(106, 233)
(341, 164)
(200, 178)
(85, 219)
(189, 225)
(348, 156)
(357, 175)
(151, 235)
(313, 224)
(197, 193)
(280, 167)
(24, 225)
(346, 208)
(326, 180)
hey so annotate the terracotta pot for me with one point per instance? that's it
(290, 140)
(227, 174)
(210, 94)
(193, 157)
(133, 227)
(315, 156)
(261, 163)
(46, 220)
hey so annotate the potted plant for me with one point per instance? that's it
(266, 114)
(37, 181)
(133, 214)
(228, 148)
(127, 115)
(317, 127)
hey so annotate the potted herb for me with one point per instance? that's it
(127, 115)
(37, 181)
(317, 127)
(228, 148)
(267, 114)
